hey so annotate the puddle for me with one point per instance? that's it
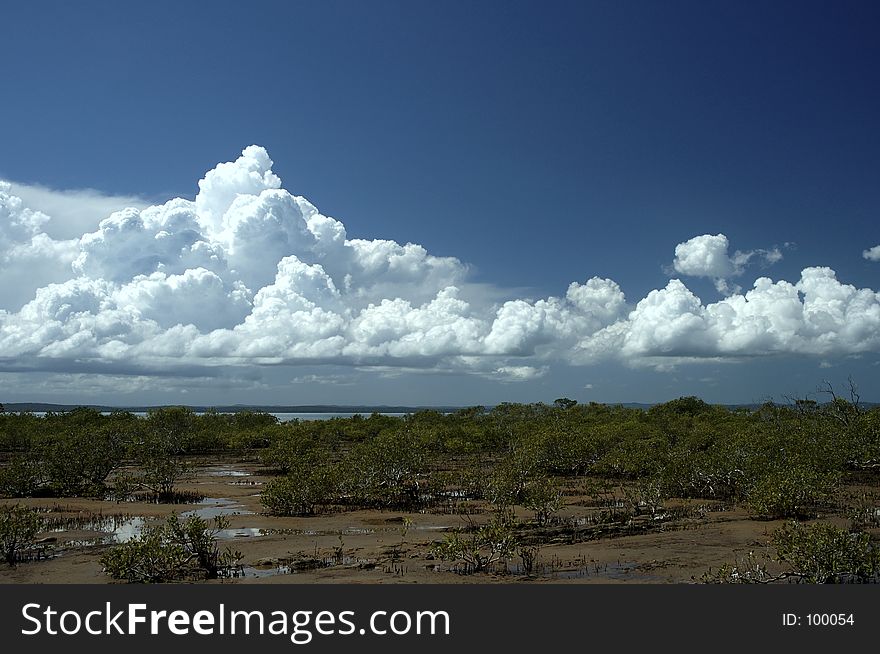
(117, 528)
(128, 530)
(123, 528)
(228, 473)
(213, 507)
(242, 532)
(250, 571)
(133, 527)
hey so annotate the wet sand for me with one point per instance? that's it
(373, 546)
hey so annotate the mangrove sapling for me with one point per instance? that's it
(288, 446)
(645, 496)
(200, 541)
(19, 526)
(479, 549)
(339, 551)
(386, 471)
(749, 570)
(122, 487)
(309, 486)
(543, 497)
(171, 551)
(818, 554)
(528, 555)
(864, 511)
(822, 553)
(158, 448)
(792, 491)
(151, 557)
(397, 549)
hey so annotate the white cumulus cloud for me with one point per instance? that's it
(818, 315)
(29, 258)
(248, 274)
(872, 254)
(707, 256)
(72, 213)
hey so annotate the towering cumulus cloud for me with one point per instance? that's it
(248, 274)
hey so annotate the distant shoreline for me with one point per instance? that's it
(365, 409)
(230, 408)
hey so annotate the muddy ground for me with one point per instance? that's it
(372, 546)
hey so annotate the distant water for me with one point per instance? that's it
(283, 417)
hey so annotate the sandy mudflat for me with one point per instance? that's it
(373, 546)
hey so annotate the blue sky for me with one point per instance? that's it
(539, 145)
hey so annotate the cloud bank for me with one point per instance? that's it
(248, 275)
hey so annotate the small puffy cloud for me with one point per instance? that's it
(704, 256)
(707, 256)
(872, 254)
(520, 373)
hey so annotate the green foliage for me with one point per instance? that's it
(791, 491)
(781, 460)
(19, 431)
(172, 551)
(289, 445)
(634, 454)
(748, 570)
(80, 459)
(150, 558)
(510, 478)
(386, 470)
(820, 553)
(683, 406)
(18, 527)
(863, 510)
(22, 476)
(543, 497)
(823, 553)
(481, 547)
(240, 431)
(307, 487)
(159, 449)
(645, 496)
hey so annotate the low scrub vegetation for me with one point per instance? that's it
(172, 551)
(639, 468)
(819, 553)
(19, 526)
